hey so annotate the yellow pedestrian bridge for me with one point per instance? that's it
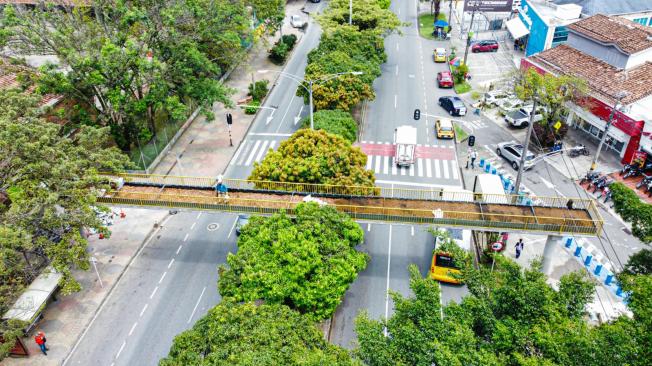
(435, 206)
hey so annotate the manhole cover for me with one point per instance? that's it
(213, 226)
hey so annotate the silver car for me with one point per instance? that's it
(512, 153)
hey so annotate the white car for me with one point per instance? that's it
(509, 104)
(512, 153)
(297, 22)
(495, 96)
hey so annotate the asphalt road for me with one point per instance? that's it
(170, 284)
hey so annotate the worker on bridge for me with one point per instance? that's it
(221, 190)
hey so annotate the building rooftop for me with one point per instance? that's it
(603, 79)
(609, 7)
(628, 36)
(552, 14)
(9, 79)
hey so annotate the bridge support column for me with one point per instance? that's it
(548, 253)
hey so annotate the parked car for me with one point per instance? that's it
(485, 46)
(445, 79)
(440, 54)
(495, 96)
(243, 220)
(509, 104)
(512, 153)
(315, 1)
(297, 22)
(521, 117)
(444, 129)
(453, 105)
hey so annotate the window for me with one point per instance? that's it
(560, 36)
(641, 21)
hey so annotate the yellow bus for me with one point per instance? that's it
(444, 269)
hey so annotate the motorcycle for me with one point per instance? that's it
(578, 150)
(646, 179)
(589, 177)
(626, 168)
(633, 172)
(605, 181)
(593, 181)
(607, 196)
(648, 187)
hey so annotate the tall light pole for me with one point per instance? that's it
(350, 12)
(619, 96)
(311, 83)
(468, 34)
(526, 143)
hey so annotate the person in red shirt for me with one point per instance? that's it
(40, 340)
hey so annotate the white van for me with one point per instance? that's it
(488, 188)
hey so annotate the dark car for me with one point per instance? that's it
(444, 79)
(485, 46)
(453, 105)
(242, 221)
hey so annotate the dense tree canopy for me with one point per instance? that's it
(335, 121)
(639, 263)
(132, 62)
(306, 262)
(511, 317)
(630, 207)
(47, 191)
(310, 156)
(368, 15)
(247, 334)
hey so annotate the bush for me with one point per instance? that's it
(290, 40)
(279, 53)
(258, 90)
(334, 121)
(459, 73)
(630, 207)
(252, 107)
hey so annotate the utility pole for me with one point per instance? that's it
(619, 97)
(530, 127)
(350, 12)
(450, 14)
(468, 34)
(312, 121)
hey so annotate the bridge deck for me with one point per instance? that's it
(479, 214)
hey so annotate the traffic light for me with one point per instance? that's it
(229, 119)
(471, 140)
(417, 114)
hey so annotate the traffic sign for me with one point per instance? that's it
(497, 246)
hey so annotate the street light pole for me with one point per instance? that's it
(312, 120)
(350, 12)
(526, 143)
(619, 97)
(468, 34)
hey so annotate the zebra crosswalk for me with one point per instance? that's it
(252, 151)
(423, 167)
(475, 125)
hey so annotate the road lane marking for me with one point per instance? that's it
(429, 168)
(232, 227)
(286, 112)
(106, 301)
(170, 264)
(124, 343)
(386, 165)
(396, 70)
(394, 169)
(412, 230)
(396, 46)
(400, 183)
(389, 261)
(143, 311)
(368, 227)
(193, 225)
(162, 277)
(420, 167)
(196, 305)
(250, 158)
(377, 169)
(411, 170)
(445, 169)
(185, 237)
(369, 162)
(272, 144)
(437, 175)
(454, 169)
(179, 249)
(237, 153)
(132, 328)
(395, 101)
(199, 214)
(153, 292)
(271, 134)
(262, 150)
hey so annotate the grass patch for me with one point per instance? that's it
(462, 88)
(460, 133)
(426, 22)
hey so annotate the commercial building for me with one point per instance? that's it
(638, 11)
(614, 56)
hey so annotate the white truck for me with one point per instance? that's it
(405, 139)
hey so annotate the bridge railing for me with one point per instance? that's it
(430, 194)
(459, 218)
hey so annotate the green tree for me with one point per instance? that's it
(336, 122)
(368, 15)
(630, 207)
(271, 12)
(551, 93)
(310, 156)
(132, 62)
(511, 317)
(247, 334)
(306, 262)
(48, 189)
(639, 263)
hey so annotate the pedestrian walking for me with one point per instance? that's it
(474, 155)
(469, 151)
(40, 340)
(519, 247)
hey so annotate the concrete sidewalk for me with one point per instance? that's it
(66, 319)
(204, 150)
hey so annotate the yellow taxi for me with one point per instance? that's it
(444, 269)
(444, 129)
(440, 54)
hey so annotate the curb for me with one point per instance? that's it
(100, 307)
